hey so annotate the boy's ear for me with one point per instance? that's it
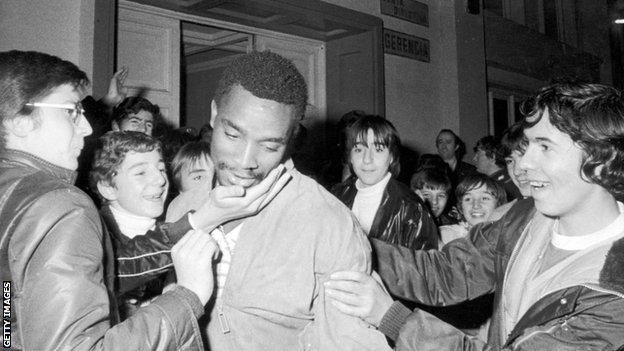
(213, 113)
(115, 126)
(107, 191)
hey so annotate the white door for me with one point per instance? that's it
(149, 45)
(309, 58)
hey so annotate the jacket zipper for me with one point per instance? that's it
(225, 327)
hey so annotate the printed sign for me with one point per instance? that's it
(397, 43)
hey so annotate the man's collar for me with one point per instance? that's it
(64, 174)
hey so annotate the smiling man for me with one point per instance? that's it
(273, 264)
(554, 261)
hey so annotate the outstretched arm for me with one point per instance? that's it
(360, 295)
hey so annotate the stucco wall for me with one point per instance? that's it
(421, 97)
(61, 27)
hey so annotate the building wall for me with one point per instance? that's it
(447, 92)
(61, 27)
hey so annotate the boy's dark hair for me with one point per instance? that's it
(593, 116)
(431, 178)
(384, 132)
(476, 180)
(134, 105)
(112, 150)
(433, 161)
(513, 140)
(267, 76)
(27, 76)
(492, 149)
(189, 154)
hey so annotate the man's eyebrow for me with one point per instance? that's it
(273, 140)
(279, 140)
(231, 124)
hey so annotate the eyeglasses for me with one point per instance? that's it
(75, 110)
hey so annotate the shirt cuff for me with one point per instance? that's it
(190, 220)
(393, 320)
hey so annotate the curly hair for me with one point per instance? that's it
(267, 76)
(476, 180)
(28, 76)
(492, 149)
(514, 140)
(593, 116)
(111, 152)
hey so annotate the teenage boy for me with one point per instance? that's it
(434, 188)
(555, 261)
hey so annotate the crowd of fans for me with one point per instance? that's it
(214, 239)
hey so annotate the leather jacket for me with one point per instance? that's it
(143, 262)
(59, 263)
(577, 317)
(401, 218)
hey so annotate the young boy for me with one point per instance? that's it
(193, 174)
(192, 167)
(130, 176)
(434, 188)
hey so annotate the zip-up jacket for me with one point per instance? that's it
(401, 218)
(60, 266)
(578, 316)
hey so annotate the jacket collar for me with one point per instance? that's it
(565, 302)
(30, 160)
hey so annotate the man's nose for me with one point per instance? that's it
(249, 157)
(84, 127)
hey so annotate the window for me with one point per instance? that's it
(504, 110)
